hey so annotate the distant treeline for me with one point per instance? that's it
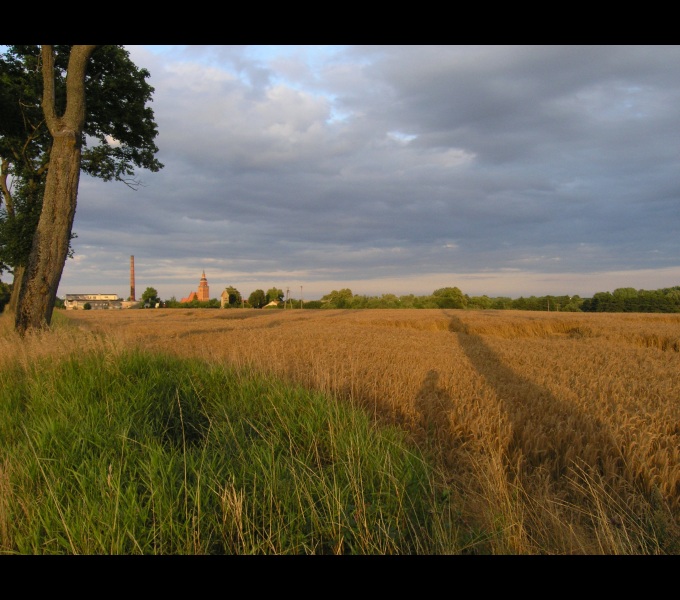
(664, 300)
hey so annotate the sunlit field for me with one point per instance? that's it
(555, 433)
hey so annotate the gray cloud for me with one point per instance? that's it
(502, 170)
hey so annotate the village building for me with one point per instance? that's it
(190, 298)
(203, 294)
(96, 301)
(224, 299)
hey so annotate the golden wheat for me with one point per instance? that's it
(548, 424)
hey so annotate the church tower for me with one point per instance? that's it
(203, 289)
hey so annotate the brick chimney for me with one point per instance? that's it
(132, 278)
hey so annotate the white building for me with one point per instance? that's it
(96, 301)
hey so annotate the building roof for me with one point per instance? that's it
(92, 297)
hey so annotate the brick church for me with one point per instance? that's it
(203, 294)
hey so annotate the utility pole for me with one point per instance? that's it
(300, 296)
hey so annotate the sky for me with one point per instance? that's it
(500, 170)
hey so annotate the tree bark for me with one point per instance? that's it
(11, 306)
(40, 282)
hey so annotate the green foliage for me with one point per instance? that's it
(274, 294)
(665, 300)
(234, 297)
(117, 96)
(117, 107)
(150, 297)
(623, 300)
(257, 299)
(546, 303)
(479, 302)
(312, 304)
(147, 454)
(172, 303)
(408, 301)
(449, 297)
(18, 221)
(501, 302)
(5, 293)
(338, 299)
(570, 303)
(87, 306)
(212, 303)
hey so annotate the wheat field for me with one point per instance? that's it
(558, 432)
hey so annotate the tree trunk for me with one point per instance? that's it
(16, 286)
(50, 243)
(41, 278)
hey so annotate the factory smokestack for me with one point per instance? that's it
(132, 278)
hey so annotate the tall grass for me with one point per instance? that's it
(551, 433)
(134, 452)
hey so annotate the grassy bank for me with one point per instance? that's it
(125, 452)
(356, 432)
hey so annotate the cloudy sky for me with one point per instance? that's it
(502, 170)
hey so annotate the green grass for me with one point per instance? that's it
(140, 453)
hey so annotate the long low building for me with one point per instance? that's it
(96, 301)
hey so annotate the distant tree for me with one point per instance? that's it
(572, 304)
(531, 303)
(408, 301)
(501, 302)
(665, 300)
(310, 304)
(602, 302)
(172, 303)
(274, 294)
(87, 306)
(658, 301)
(480, 302)
(150, 297)
(389, 301)
(212, 303)
(628, 299)
(338, 299)
(235, 298)
(429, 302)
(257, 299)
(449, 297)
